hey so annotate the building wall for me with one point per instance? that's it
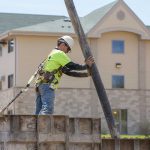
(114, 20)
(129, 59)
(7, 63)
(120, 19)
(29, 56)
(147, 64)
(148, 105)
(32, 50)
(77, 97)
(85, 103)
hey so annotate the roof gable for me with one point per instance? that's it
(91, 19)
(120, 18)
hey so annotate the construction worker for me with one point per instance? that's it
(54, 66)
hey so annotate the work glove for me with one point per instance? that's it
(89, 61)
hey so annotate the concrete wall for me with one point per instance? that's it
(49, 133)
(5, 97)
(125, 144)
(58, 132)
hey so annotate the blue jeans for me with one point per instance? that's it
(45, 100)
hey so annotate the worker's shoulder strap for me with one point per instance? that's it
(57, 70)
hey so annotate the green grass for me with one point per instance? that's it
(107, 136)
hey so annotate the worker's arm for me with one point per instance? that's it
(77, 74)
(88, 63)
(74, 66)
(69, 69)
(73, 73)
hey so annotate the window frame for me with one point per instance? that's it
(1, 50)
(121, 85)
(118, 46)
(1, 85)
(11, 45)
(121, 121)
(10, 81)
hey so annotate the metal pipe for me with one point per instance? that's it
(94, 71)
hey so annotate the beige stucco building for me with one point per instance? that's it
(120, 44)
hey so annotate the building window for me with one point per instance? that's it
(120, 117)
(10, 112)
(1, 49)
(117, 81)
(10, 80)
(0, 85)
(118, 46)
(10, 45)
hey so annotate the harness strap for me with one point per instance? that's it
(48, 77)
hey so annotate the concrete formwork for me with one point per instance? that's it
(49, 132)
(125, 144)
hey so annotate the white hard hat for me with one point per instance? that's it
(68, 40)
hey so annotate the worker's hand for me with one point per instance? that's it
(89, 61)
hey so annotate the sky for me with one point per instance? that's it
(57, 7)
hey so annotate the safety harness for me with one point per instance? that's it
(46, 77)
